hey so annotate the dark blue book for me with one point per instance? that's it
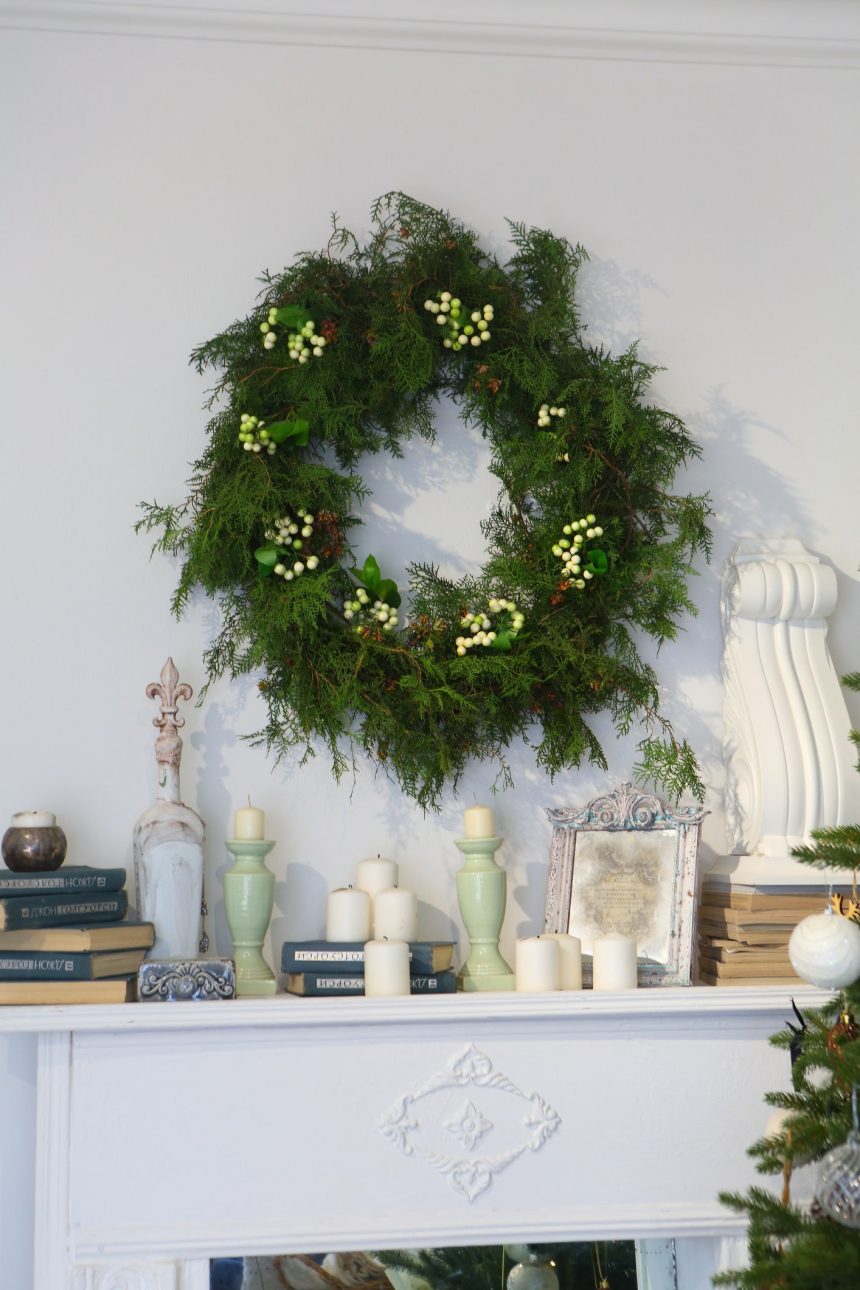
(56, 910)
(71, 878)
(347, 958)
(45, 965)
(323, 984)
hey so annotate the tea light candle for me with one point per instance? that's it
(614, 962)
(33, 820)
(375, 875)
(478, 822)
(386, 968)
(395, 914)
(249, 824)
(538, 964)
(348, 915)
(570, 959)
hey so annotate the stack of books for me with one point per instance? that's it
(323, 968)
(65, 937)
(744, 933)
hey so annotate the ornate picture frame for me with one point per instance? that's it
(628, 862)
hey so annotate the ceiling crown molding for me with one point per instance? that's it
(775, 33)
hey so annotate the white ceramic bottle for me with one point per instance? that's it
(168, 839)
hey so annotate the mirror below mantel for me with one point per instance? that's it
(580, 1265)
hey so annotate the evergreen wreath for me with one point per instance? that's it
(346, 354)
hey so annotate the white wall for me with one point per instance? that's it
(147, 181)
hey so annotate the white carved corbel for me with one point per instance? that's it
(789, 762)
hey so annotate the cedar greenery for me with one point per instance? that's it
(405, 698)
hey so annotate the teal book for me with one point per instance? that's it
(322, 984)
(55, 910)
(74, 878)
(43, 965)
(347, 958)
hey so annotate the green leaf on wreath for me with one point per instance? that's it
(291, 316)
(502, 641)
(280, 431)
(598, 561)
(267, 557)
(384, 589)
(387, 592)
(370, 574)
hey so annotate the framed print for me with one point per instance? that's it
(628, 862)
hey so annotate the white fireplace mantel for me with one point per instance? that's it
(171, 1132)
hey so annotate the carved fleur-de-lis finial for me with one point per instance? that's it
(168, 745)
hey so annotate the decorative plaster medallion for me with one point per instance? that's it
(411, 1127)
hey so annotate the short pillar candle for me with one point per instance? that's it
(570, 959)
(478, 822)
(395, 915)
(376, 874)
(348, 916)
(249, 824)
(386, 968)
(538, 965)
(614, 963)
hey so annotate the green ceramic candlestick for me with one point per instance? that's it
(482, 893)
(249, 892)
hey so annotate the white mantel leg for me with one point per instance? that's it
(53, 1268)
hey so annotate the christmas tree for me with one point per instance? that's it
(815, 1247)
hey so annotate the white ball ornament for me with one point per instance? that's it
(824, 950)
(776, 1122)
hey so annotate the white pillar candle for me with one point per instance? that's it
(614, 962)
(478, 822)
(538, 964)
(33, 820)
(348, 915)
(375, 875)
(249, 824)
(395, 914)
(570, 959)
(386, 968)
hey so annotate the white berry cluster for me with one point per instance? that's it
(290, 535)
(364, 613)
(547, 412)
(301, 345)
(253, 435)
(480, 625)
(449, 312)
(569, 547)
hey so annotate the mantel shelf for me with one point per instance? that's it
(284, 1012)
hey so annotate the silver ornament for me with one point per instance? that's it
(838, 1187)
(536, 1272)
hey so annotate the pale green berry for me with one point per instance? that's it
(586, 573)
(461, 650)
(598, 531)
(556, 550)
(317, 351)
(264, 328)
(591, 519)
(428, 305)
(298, 567)
(567, 530)
(307, 531)
(279, 569)
(289, 575)
(455, 303)
(297, 544)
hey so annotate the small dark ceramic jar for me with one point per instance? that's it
(34, 843)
